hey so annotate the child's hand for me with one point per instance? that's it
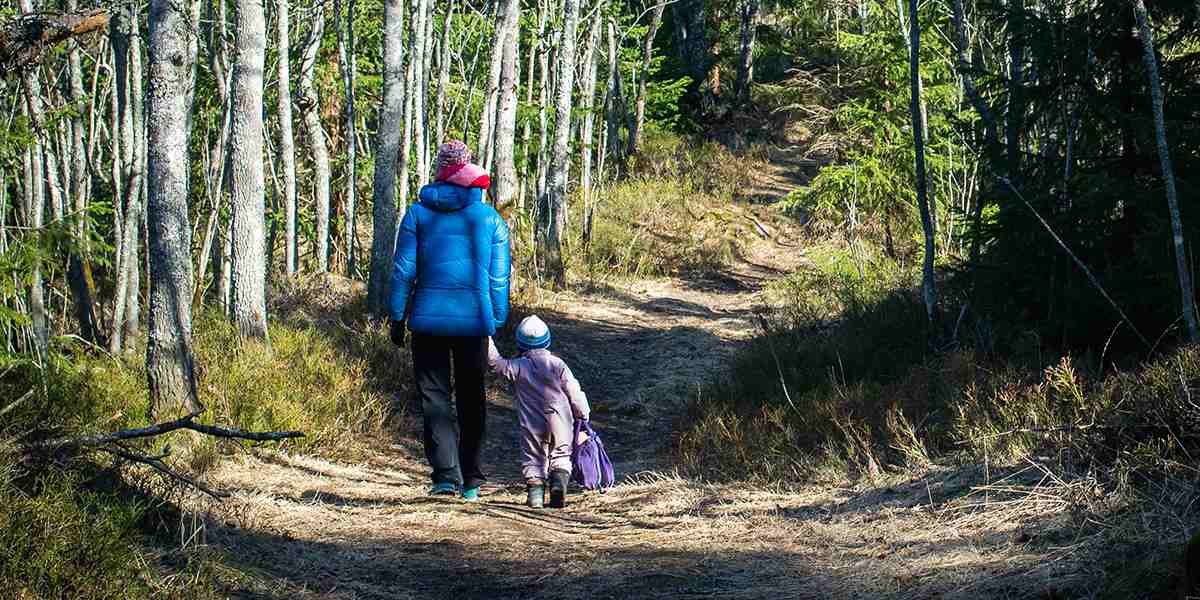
(581, 438)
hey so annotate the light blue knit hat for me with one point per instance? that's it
(532, 334)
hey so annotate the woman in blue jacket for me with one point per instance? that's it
(450, 284)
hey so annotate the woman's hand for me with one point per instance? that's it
(396, 331)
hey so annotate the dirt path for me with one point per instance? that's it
(299, 527)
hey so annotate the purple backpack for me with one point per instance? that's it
(591, 468)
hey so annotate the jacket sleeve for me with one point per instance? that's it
(404, 271)
(579, 402)
(501, 366)
(499, 269)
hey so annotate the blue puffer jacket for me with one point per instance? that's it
(452, 264)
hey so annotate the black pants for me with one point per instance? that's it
(453, 435)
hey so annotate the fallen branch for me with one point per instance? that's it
(188, 422)
(25, 38)
(157, 464)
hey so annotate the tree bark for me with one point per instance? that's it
(560, 165)
(745, 69)
(614, 101)
(1186, 291)
(420, 108)
(310, 109)
(587, 128)
(35, 200)
(491, 92)
(444, 72)
(348, 65)
(639, 113)
(387, 146)
(25, 39)
(169, 358)
(928, 289)
(410, 103)
(287, 143)
(137, 196)
(506, 113)
(129, 181)
(248, 301)
(543, 103)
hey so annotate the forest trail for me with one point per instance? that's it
(302, 527)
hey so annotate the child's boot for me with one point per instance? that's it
(558, 488)
(535, 491)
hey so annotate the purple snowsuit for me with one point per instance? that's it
(548, 400)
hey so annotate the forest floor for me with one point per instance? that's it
(305, 527)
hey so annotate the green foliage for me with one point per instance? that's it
(65, 542)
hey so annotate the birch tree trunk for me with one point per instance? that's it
(560, 165)
(929, 292)
(248, 304)
(444, 72)
(543, 104)
(348, 65)
(506, 113)
(169, 358)
(1186, 291)
(136, 198)
(745, 69)
(491, 92)
(410, 102)
(287, 143)
(387, 147)
(35, 200)
(614, 101)
(639, 115)
(310, 108)
(79, 271)
(421, 78)
(129, 181)
(587, 129)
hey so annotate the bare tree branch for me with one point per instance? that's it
(157, 464)
(25, 38)
(188, 422)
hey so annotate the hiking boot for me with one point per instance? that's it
(471, 494)
(558, 488)
(535, 494)
(443, 489)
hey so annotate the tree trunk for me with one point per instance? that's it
(387, 147)
(287, 143)
(745, 68)
(348, 65)
(639, 113)
(444, 72)
(506, 113)
(79, 270)
(587, 129)
(543, 100)
(1186, 292)
(491, 92)
(35, 202)
(310, 107)
(614, 101)
(1016, 85)
(420, 110)
(410, 103)
(690, 23)
(169, 359)
(248, 301)
(560, 165)
(129, 181)
(133, 317)
(914, 67)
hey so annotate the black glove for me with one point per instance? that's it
(396, 331)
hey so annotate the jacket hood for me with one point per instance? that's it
(447, 197)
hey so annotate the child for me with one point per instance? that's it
(548, 400)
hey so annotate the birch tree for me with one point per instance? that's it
(506, 112)
(745, 66)
(556, 193)
(169, 359)
(287, 144)
(310, 109)
(348, 65)
(391, 112)
(491, 92)
(929, 292)
(1186, 292)
(248, 299)
(639, 113)
(35, 200)
(586, 129)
